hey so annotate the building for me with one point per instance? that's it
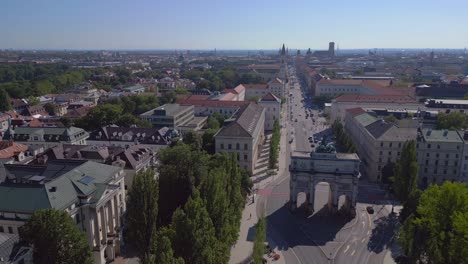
(47, 136)
(464, 159)
(326, 53)
(277, 87)
(371, 102)
(339, 170)
(439, 156)
(378, 142)
(132, 159)
(136, 89)
(272, 106)
(12, 152)
(4, 122)
(169, 115)
(334, 87)
(152, 138)
(244, 135)
(93, 194)
(204, 107)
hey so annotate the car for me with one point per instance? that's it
(315, 141)
(291, 140)
(295, 120)
(312, 146)
(370, 209)
(310, 138)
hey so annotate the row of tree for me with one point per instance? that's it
(196, 213)
(435, 221)
(259, 241)
(343, 140)
(274, 145)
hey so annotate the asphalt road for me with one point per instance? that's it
(320, 238)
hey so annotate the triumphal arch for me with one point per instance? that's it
(339, 170)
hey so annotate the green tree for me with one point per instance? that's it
(259, 241)
(274, 145)
(439, 229)
(208, 142)
(168, 97)
(142, 213)
(406, 172)
(322, 99)
(55, 238)
(5, 104)
(50, 108)
(181, 170)
(192, 139)
(164, 252)
(66, 121)
(195, 239)
(32, 100)
(390, 119)
(213, 123)
(452, 121)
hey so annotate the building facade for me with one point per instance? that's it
(47, 136)
(272, 106)
(169, 115)
(439, 156)
(244, 135)
(93, 194)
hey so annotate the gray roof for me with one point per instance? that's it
(365, 119)
(378, 128)
(246, 120)
(400, 134)
(430, 135)
(64, 181)
(169, 109)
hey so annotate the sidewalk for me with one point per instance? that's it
(242, 250)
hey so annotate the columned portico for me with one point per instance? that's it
(339, 170)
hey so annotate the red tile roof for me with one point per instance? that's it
(9, 149)
(209, 103)
(255, 86)
(379, 86)
(355, 111)
(270, 97)
(375, 98)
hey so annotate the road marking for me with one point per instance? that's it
(363, 223)
(368, 232)
(347, 248)
(352, 253)
(364, 239)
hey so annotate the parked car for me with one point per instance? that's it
(370, 209)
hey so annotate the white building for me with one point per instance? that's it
(244, 135)
(93, 194)
(272, 105)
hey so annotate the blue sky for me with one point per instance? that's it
(234, 24)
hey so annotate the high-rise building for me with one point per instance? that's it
(331, 49)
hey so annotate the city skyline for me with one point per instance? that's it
(243, 25)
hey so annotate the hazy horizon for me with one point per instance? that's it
(239, 25)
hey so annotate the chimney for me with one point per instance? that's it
(445, 132)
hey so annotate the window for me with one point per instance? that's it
(436, 162)
(77, 218)
(425, 169)
(229, 146)
(381, 144)
(390, 144)
(398, 153)
(428, 155)
(237, 146)
(10, 230)
(245, 156)
(380, 159)
(390, 153)
(427, 162)
(458, 147)
(417, 145)
(245, 147)
(438, 146)
(1, 229)
(399, 145)
(454, 171)
(435, 171)
(456, 156)
(447, 155)
(437, 155)
(380, 152)
(446, 163)
(222, 146)
(445, 171)
(428, 145)
(466, 157)
(455, 163)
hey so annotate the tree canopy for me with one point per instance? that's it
(142, 213)
(438, 230)
(452, 120)
(55, 238)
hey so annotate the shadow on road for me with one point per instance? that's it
(382, 234)
(318, 228)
